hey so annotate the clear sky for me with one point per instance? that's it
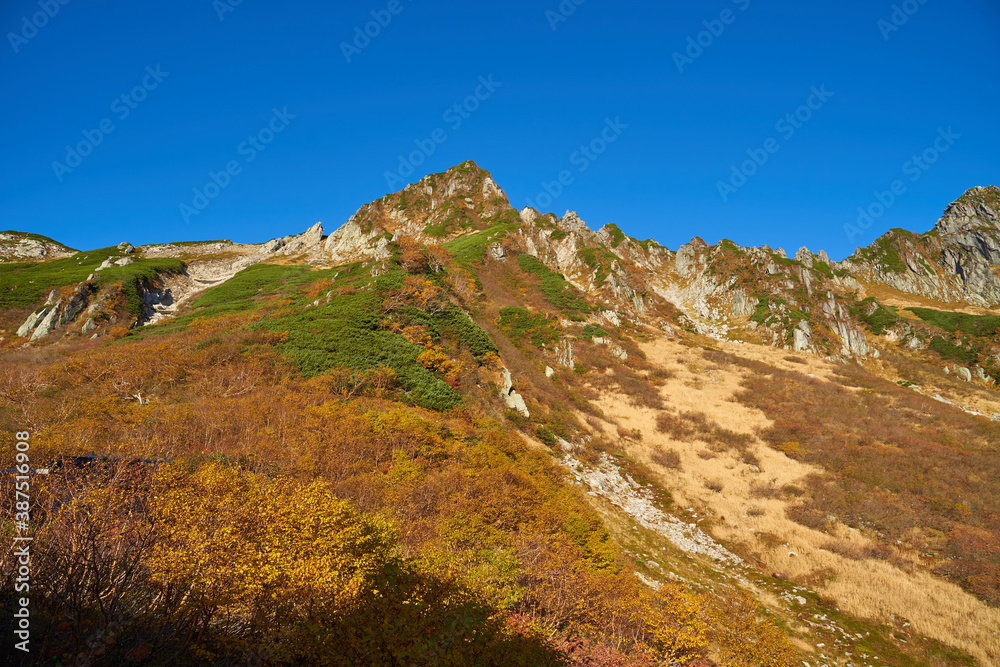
(188, 88)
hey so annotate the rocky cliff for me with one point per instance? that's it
(956, 262)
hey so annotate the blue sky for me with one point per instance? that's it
(201, 78)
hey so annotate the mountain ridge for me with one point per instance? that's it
(756, 294)
(810, 449)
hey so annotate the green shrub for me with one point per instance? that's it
(949, 350)
(472, 247)
(554, 286)
(881, 319)
(823, 269)
(347, 333)
(132, 277)
(617, 235)
(973, 325)
(593, 331)
(520, 324)
(547, 437)
(460, 326)
(243, 291)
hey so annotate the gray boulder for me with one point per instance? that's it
(31, 322)
(802, 333)
(48, 323)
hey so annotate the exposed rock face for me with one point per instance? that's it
(77, 302)
(724, 291)
(32, 321)
(513, 400)
(854, 342)
(352, 243)
(48, 323)
(436, 208)
(619, 352)
(743, 305)
(22, 247)
(498, 252)
(954, 262)
(802, 334)
(564, 353)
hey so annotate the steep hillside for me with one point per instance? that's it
(455, 431)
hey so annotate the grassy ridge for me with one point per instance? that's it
(26, 284)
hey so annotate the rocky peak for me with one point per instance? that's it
(978, 208)
(571, 222)
(436, 208)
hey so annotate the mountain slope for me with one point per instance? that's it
(593, 449)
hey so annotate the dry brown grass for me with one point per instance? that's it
(668, 458)
(752, 508)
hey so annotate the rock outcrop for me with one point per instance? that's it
(510, 396)
(24, 247)
(954, 262)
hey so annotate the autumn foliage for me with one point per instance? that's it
(332, 497)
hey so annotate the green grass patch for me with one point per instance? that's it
(762, 314)
(617, 235)
(592, 331)
(455, 324)
(554, 286)
(973, 325)
(132, 276)
(347, 333)
(949, 350)
(823, 269)
(599, 260)
(471, 248)
(28, 283)
(521, 324)
(883, 251)
(32, 237)
(880, 320)
(243, 291)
